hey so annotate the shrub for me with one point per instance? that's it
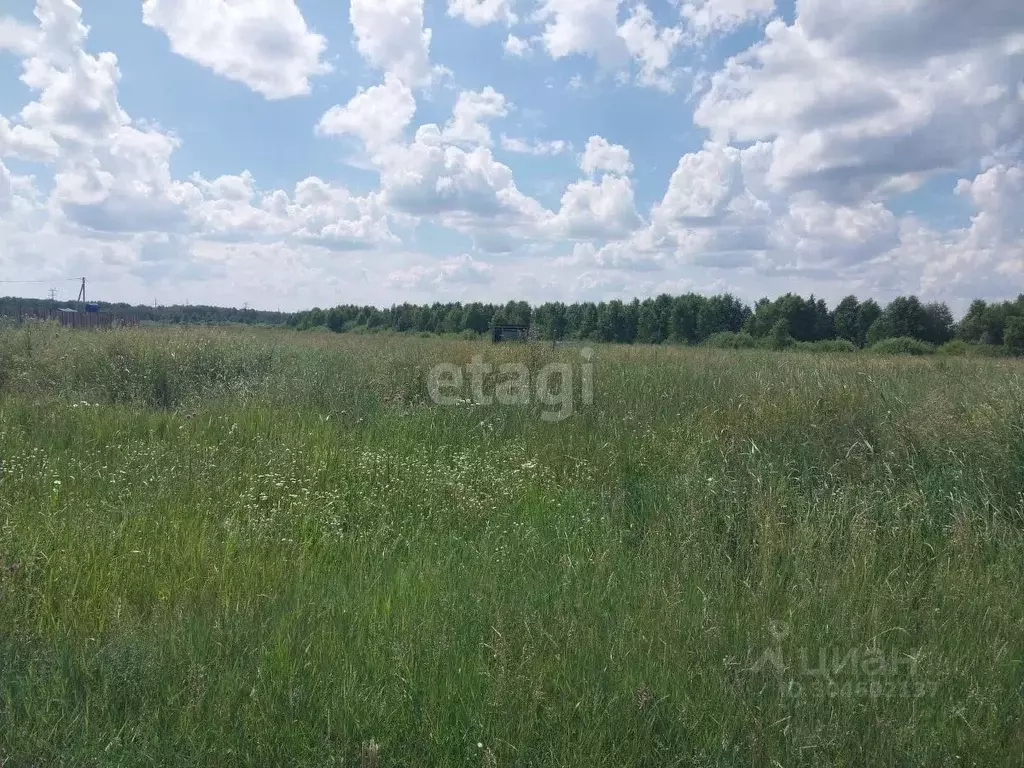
(903, 345)
(779, 337)
(1013, 335)
(957, 348)
(829, 346)
(991, 350)
(729, 340)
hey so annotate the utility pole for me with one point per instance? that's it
(81, 297)
(53, 294)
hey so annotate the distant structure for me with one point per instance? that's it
(510, 333)
(70, 317)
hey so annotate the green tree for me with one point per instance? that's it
(867, 313)
(336, 320)
(663, 318)
(589, 321)
(648, 330)
(906, 317)
(881, 330)
(631, 319)
(720, 313)
(476, 318)
(1013, 334)
(684, 318)
(453, 319)
(846, 321)
(780, 336)
(938, 324)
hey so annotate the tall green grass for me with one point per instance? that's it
(239, 548)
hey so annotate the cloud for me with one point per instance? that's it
(708, 17)
(265, 45)
(231, 208)
(449, 175)
(6, 188)
(377, 115)
(600, 155)
(912, 30)
(983, 259)
(112, 175)
(109, 173)
(517, 46)
(651, 46)
(473, 110)
(809, 134)
(627, 256)
(719, 211)
(586, 27)
(445, 275)
(701, 186)
(998, 195)
(390, 36)
(537, 148)
(467, 187)
(814, 233)
(19, 39)
(448, 172)
(597, 210)
(591, 28)
(851, 119)
(482, 12)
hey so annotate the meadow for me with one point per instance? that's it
(265, 547)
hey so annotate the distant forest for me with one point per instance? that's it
(694, 319)
(193, 314)
(721, 320)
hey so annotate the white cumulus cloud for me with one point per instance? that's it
(482, 12)
(708, 17)
(601, 155)
(264, 44)
(597, 209)
(517, 46)
(473, 110)
(377, 115)
(593, 28)
(650, 46)
(852, 118)
(539, 148)
(390, 36)
(112, 174)
(443, 275)
(17, 38)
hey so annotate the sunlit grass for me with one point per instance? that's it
(271, 548)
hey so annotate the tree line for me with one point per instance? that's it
(697, 319)
(690, 319)
(177, 314)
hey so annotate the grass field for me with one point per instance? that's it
(271, 548)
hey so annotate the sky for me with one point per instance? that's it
(286, 154)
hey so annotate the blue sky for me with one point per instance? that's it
(290, 153)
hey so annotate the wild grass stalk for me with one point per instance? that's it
(258, 548)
